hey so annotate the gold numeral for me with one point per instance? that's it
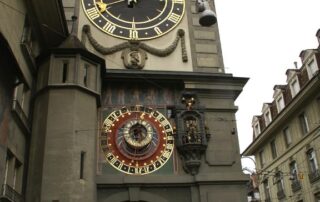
(174, 17)
(113, 159)
(109, 27)
(93, 13)
(134, 34)
(169, 146)
(157, 30)
(166, 154)
(178, 1)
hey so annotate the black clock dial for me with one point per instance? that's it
(147, 9)
(135, 19)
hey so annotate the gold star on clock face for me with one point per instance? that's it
(135, 19)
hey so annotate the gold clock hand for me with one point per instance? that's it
(115, 2)
(103, 6)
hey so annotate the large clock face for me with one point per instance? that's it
(137, 140)
(135, 19)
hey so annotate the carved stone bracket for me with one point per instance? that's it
(138, 45)
(191, 157)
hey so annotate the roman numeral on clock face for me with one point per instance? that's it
(93, 13)
(174, 17)
(134, 34)
(109, 27)
(178, 1)
(157, 30)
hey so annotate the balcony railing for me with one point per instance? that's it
(295, 185)
(10, 194)
(314, 176)
(281, 194)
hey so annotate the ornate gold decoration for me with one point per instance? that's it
(136, 45)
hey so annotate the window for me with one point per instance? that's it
(266, 190)
(287, 136)
(21, 103)
(280, 185)
(13, 173)
(85, 74)
(312, 68)
(273, 148)
(317, 197)
(261, 157)
(294, 177)
(303, 123)
(280, 103)
(257, 129)
(64, 71)
(21, 95)
(82, 158)
(267, 117)
(313, 165)
(294, 87)
(293, 171)
(7, 167)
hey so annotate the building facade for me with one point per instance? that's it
(286, 136)
(109, 101)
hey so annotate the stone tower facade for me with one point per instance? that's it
(107, 114)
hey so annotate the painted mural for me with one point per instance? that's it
(137, 95)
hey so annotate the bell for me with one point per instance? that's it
(207, 16)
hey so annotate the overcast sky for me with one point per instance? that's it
(261, 39)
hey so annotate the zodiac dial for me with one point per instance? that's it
(137, 140)
(135, 19)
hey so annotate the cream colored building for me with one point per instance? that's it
(286, 136)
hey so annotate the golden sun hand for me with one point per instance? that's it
(102, 6)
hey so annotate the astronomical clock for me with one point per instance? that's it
(137, 140)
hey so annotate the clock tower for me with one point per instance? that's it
(139, 107)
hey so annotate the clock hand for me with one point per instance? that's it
(131, 3)
(108, 4)
(103, 6)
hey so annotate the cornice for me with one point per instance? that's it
(222, 85)
(176, 75)
(48, 20)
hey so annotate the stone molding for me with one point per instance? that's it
(138, 45)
